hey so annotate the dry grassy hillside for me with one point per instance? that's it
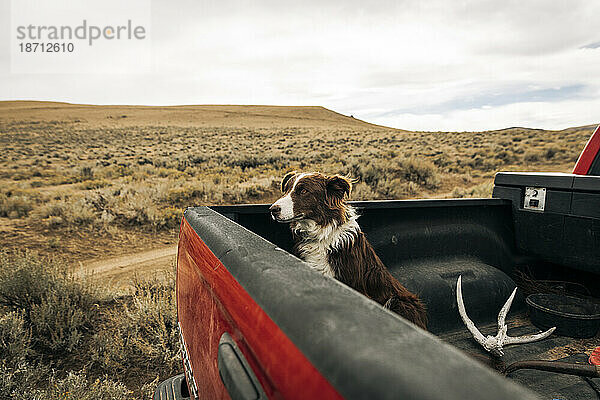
(230, 116)
(87, 181)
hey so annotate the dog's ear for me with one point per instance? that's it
(338, 188)
(286, 179)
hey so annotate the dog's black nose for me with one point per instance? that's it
(275, 210)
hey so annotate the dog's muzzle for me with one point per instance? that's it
(276, 215)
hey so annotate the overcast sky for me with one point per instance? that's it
(418, 65)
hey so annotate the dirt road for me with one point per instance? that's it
(119, 270)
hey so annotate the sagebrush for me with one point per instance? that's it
(62, 337)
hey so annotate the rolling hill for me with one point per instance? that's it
(232, 116)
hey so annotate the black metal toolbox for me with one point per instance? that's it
(556, 216)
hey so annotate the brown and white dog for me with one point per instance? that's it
(329, 239)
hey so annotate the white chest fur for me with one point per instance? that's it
(316, 255)
(318, 241)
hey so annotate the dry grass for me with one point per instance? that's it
(62, 337)
(85, 175)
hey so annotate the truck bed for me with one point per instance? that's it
(427, 244)
(308, 336)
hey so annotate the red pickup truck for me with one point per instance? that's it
(256, 322)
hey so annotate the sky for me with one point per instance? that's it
(418, 65)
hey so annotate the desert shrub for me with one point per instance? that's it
(59, 322)
(478, 191)
(442, 160)
(133, 210)
(115, 171)
(391, 178)
(570, 156)
(56, 307)
(124, 205)
(184, 162)
(54, 243)
(15, 206)
(15, 338)
(484, 161)
(163, 172)
(411, 189)
(143, 334)
(93, 184)
(128, 205)
(37, 382)
(421, 172)
(186, 194)
(137, 204)
(505, 156)
(53, 208)
(20, 381)
(257, 192)
(531, 156)
(80, 212)
(77, 386)
(53, 323)
(362, 191)
(396, 188)
(86, 173)
(165, 217)
(549, 152)
(68, 212)
(247, 161)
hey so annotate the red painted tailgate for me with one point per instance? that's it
(210, 302)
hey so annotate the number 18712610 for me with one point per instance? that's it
(49, 47)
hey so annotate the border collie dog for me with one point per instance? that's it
(329, 239)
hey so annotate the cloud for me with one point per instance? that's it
(545, 115)
(498, 97)
(594, 45)
(415, 65)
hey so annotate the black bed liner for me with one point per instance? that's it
(555, 348)
(427, 245)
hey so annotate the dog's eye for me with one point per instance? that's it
(302, 191)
